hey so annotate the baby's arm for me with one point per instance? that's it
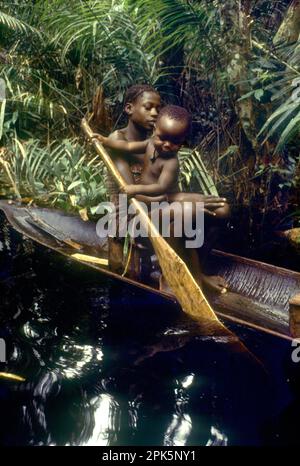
(122, 145)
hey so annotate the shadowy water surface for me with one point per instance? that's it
(107, 364)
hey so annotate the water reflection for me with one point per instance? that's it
(104, 412)
(217, 438)
(100, 372)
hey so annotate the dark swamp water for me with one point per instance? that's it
(106, 364)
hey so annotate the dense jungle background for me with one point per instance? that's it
(234, 64)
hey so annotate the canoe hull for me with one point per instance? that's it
(259, 293)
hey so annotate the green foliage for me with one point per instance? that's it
(56, 53)
(51, 78)
(192, 167)
(284, 122)
(62, 174)
(176, 25)
(104, 39)
(15, 24)
(30, 108)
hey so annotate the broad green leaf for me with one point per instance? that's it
(74, 184)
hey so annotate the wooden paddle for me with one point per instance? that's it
(175, 271)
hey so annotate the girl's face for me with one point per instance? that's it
(144, 110)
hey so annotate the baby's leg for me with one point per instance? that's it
(213, 225)
(214, 204)
(185, 197)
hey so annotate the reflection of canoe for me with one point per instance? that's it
(259, 293)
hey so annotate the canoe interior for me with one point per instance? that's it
(259, 293)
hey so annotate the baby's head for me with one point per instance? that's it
(142, 104)
(171, 129)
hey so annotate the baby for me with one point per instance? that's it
(160, 175)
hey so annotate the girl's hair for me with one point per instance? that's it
(136, 91)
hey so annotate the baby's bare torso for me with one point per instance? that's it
(154, 165)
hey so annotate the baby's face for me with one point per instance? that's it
(169, 135)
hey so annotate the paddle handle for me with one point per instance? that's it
(103, 153)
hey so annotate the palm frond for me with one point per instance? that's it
(193, 27)
(285, 89)
(193, 168)
(60, 173)
(16, 24)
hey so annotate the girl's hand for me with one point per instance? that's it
(99, 138)
(130, 190)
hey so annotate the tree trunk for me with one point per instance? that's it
(235, 22)
(289, 29)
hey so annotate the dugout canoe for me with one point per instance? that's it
(260, 294)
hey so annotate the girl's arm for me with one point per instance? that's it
(121, 145)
